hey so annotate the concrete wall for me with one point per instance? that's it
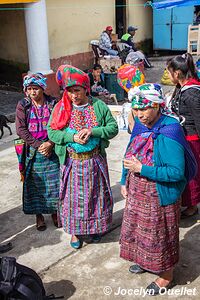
(12, 34)
(142, 17)
(73, 23)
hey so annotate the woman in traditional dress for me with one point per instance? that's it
(97, 85)
(154, 175)
(80, 127)
(41, 173)
(186, 104)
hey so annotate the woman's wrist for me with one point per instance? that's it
(52, 143)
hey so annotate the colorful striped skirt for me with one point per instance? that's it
(150, 232)
(41, 185)
(191, 194)
(86, 202)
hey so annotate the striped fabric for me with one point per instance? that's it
(41, 185)
(150, 232)
(86, 201)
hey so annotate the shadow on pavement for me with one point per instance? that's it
(21, 231)
(60, 288)
(13, 221)
(189, 222)
(188, 268)
(116, 191)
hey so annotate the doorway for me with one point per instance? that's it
(170, 27)
(120, 15)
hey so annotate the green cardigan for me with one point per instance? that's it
(106, 130)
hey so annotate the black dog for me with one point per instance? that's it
(3, 123)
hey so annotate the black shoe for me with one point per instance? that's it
(6, 247)
(154, 289)
(136, 269)
(96, 238)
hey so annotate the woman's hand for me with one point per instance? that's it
(133, 164)
(46, 148)
(78, 140)
(85, 134)
(124, 191)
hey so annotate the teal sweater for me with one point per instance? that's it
(168, 170)
(106, 130)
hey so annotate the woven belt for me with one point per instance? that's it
(84, 155)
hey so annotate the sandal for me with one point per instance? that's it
(136, 269)
(40, 223)
(54, 219)
(96, 238)
(154, 289)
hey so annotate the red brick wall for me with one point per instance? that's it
(81, 60)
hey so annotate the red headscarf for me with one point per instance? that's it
(67, 76)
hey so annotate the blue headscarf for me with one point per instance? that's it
(35, 79)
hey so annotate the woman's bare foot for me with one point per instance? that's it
(74, 239)
(54, 219)
(165, 278)
(40, 223)
(75, 242)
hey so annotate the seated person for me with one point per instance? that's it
(127, 38)
(105, 41)
(97, 84)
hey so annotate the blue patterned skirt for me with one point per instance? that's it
(41, 185)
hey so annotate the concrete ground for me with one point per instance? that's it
(95, 271)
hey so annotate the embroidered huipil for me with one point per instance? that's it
(83, 117)
(39, 117)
